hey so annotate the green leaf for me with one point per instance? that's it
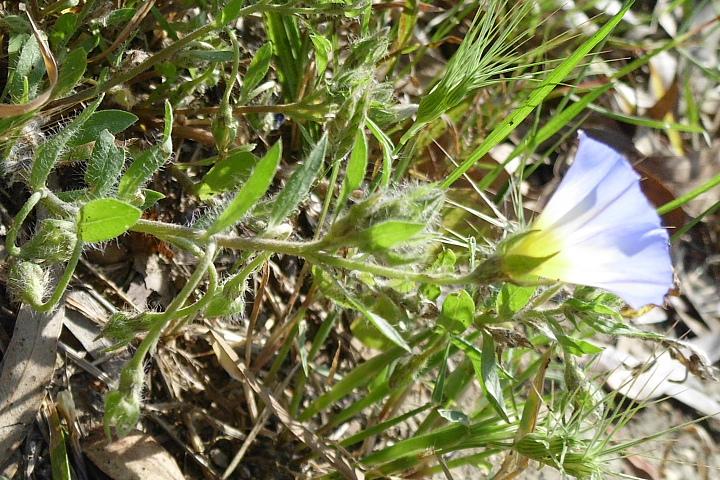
(231, 11)
(329, 287)
(512, 299)
(151, 198)
(578, 347)
(147, 162)
(291, 52)
(356, 378)
(489, 376)
(48, 153)
(385, 235)
(323, 48)
(485, 368)
(380, 323)
(556, 76)
(299, 184)
(114, 121)
(458, 312)
(226, 174)
(64, 28)
(438, 393)
(258, 68)
(106, 218)
(211, 55)
(357, 165)
(252, 191)
(71, 71)
(29, 71)
(383, 306)
(104, 166)
(454, 416)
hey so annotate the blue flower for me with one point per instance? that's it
(598, 229)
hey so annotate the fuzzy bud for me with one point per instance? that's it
(53, 241)
(122, 411)
(27, 281)
(224, 128)
(225, 304)
(383, 221)
(122, 328)
(122, 406)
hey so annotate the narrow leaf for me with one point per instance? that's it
(298, 187)
(106, 218)
(104, 166)
(323, 48)
(258, 68)
(536, 97)
(251, 191)
(71, 71)
(357, 165)
(147, 162)
(231, 11)
(12, 110)
(490, 378)
(48, 153)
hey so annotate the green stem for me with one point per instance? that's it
(682, 200)
(234, 283)
(64, 280)
(126, 75)
(12, 234)
(485, 273)
(155, 332)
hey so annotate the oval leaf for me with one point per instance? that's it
(251, 191)
(114, 121)
(106, 218)
(458, 312)
(384, 235)
(226, 174)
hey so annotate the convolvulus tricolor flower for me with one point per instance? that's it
(598, 229)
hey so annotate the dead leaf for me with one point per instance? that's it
(654, 377)
(27, 368)
(13, 110)
(136, 456)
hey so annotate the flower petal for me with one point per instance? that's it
(604, 230)
(631, 261)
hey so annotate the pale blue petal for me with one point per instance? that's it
(611, 236)
(577, 190)
(632, 261)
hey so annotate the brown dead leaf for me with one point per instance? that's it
(13, 110)
(27, 368)
(137, 456)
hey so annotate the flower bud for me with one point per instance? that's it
(379, 215)
(122, 328)
(122, 411)
(27, 281)
(221, 306)
(53, 241)
(224, 129)
(122, 406)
